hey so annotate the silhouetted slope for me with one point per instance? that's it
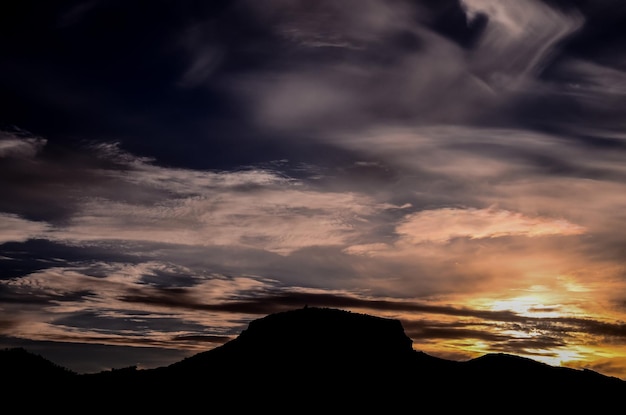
(319, 359)
(29, 381)
(510, 376)
(18, 363)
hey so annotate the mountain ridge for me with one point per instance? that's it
(326, 357)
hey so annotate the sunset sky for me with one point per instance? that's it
(172, 170)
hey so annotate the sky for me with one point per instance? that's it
(172, 170)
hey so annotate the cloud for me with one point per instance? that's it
(14, 228)
(277, 221)
(203, 53)
(442, 225)
(463, 165)
(114, 302)
(132, 199)
(449, 184)
(518, 37)
(588, 79)
(396, 65)
(253, 208)
(391, 67)
(456, 164)
(17, 146)
(330, 24)
(338, 232)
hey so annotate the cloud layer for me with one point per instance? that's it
(458, 165)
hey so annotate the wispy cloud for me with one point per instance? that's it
(442, 225)
(252, 208)
(14, 228)
(518, 37)
(18, 146)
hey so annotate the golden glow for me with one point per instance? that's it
(536, 301)
(558, 357)
(528, 305)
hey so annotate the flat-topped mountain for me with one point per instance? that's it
(315, 359)
(312, 338)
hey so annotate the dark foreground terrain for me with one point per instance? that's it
(313, 360)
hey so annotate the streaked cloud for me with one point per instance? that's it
(14, 228)
(442, 225)
(13, 145)
(518, 37)
(253, 208)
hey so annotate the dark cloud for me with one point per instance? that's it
(72, 52)
(613, 330)
(432, 331)
(536, 346)
(208, 339)
(23, 258)
(137, 323)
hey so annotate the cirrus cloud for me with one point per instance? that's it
(442, 225)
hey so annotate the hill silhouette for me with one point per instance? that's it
(311, 360)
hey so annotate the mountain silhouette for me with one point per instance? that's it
(312, 360)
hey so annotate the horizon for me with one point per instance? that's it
(293, 312)
(172, 171)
